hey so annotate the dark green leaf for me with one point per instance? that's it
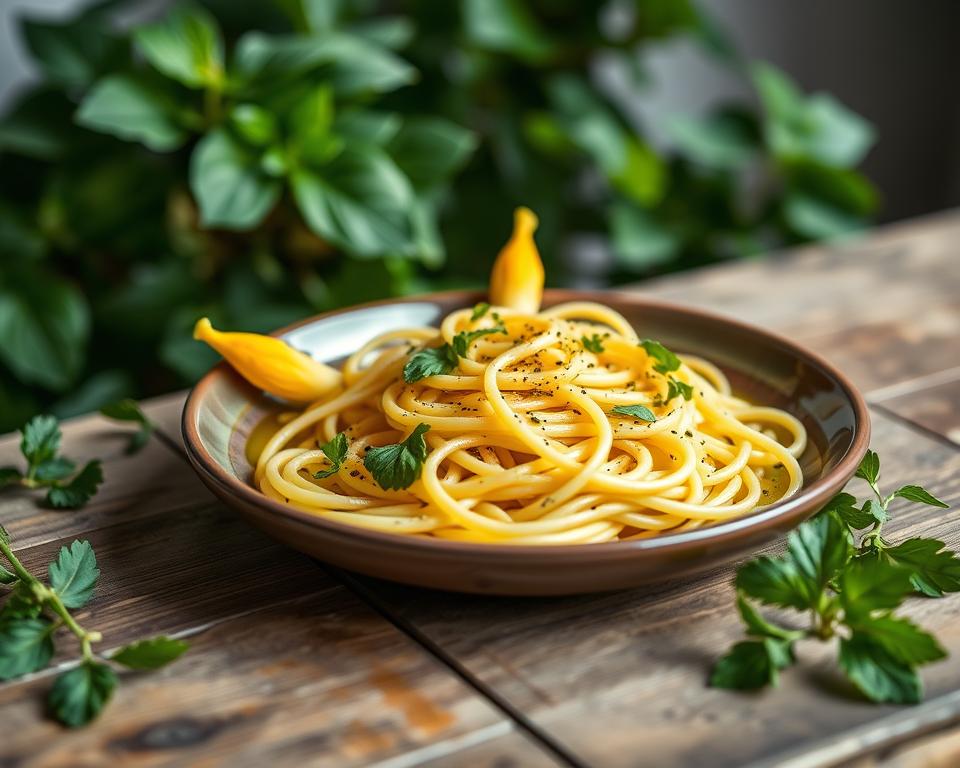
(398, 466)
(429, 150)
(776, 581)
(364, 126)
(430, 361)
(254, 124)
(40, 440)
(39, 124)
(506, 26)
(361, 202)
(9, 476)
(80, 694)
(479, 311)
(819, 547)
(75, 53)
(874, 509)
(133, 109)
(872, 584)
(844, 506)
(677, 388)
(54, 469)
(901, 638)
(21, 604)
(93, 393)
(664, 360)
(336, 452)
(869, 468)
(934, 569)
(752, 664)
(74, 574)
(919, 495)
(7, 577)
(394, 32)
(153, 653)
(184, 45)
(635, 411)
(640, 241)
(231, 189)
(759, 627)
(79, 490)
(462, 341)
(819, 219)
(124, 410)
(592, 343)
(723, 140)
(879, 675)
(26, 645)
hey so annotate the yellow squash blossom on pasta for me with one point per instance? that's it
(517, 277)
(271, 364)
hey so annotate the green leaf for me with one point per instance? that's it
(775, 581)
(819, 547)
(879, 675)
(255, 125)
(312, 117)
(129, 410)
(677, 388)
(934, 570)
(40, 439)
(336, 452)
(398, 466)
(9, 476)
(73, 54)
(759, 627)
(642, 175)
(872, 584)
(231, 189)
(869, 468)
(725, 140)
(592, 343)
(479, 310)
(919, 495)
(79, 695)
(185, 45)
(844, 506)
(38, 124)
(54, 469)
(21, 604)
(818, 219)
(79, 490)
(364, 126)
(93, 393)
(133, 109)
(635, 411)
(506, 26)
(901, 638)
(752, 664)
(462, 341)
(875, 510)
(8, 577)
(394, 32)
(430, 361)
(664, 360)
(360, 202)
(74, 574)
(639, 240)
(153, 653)
(428, 150)
(26, 645)
(44, 327)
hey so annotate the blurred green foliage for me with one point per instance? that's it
(258, 162)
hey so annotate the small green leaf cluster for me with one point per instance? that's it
(129, 410)
(842, 572)
(397, 466)
(34, 613)
(666, 362)
(46, 469)
(435, 361)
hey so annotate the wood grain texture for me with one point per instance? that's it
(286, 665)
(620, 679)
(936, 407)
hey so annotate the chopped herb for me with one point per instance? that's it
(636, 411)
(336, 452)
(434, 361)
(397, 466)
(592, 343)
(666, 361)
(675, 388)
(479, 310)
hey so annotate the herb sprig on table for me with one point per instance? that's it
(841, 571)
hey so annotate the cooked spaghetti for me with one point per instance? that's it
(514, 426)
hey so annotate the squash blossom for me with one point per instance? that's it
(271, 364)
(516, 280)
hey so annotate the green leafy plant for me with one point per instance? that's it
(129, 410)
(841, 571)
(35, 612)
(256, 163)
(397, 466)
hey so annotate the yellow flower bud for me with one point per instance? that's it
(271, 364)
(516, 280)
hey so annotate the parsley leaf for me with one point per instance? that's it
(758, 626)
(463, 340)
(430, 361)
(54, 469)
(676, 388)
(920, 495)
(636, 411)
(666, 361)
(129, 410)
(901, 638)
(150, 654)
(78, 491)
(934, 570)
(869, 468)
(844, 506)
(878, 674)
(871, 584)
(40, 441)
(74, 574)
(336, 452)
(592, 343)
(479, 310)
(26, 645)
(79, 694)
(397, 466)
(752, 664)
(775, 581)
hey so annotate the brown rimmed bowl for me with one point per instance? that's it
(223, 410)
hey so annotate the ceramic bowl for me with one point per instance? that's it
(223, 410)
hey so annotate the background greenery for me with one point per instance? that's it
(258, 162)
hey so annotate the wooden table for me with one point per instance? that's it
(295, 663)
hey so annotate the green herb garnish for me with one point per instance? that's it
(592, 343)
(40, 446)
(397, 466)
(34, 611)
(479, 310)
(129, 410)
(849, 582)
(636, 411)
(434, 361)
(666, 361)
(676, 388)
(336, 452)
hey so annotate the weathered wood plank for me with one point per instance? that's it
(621, 678)
(936, 408)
